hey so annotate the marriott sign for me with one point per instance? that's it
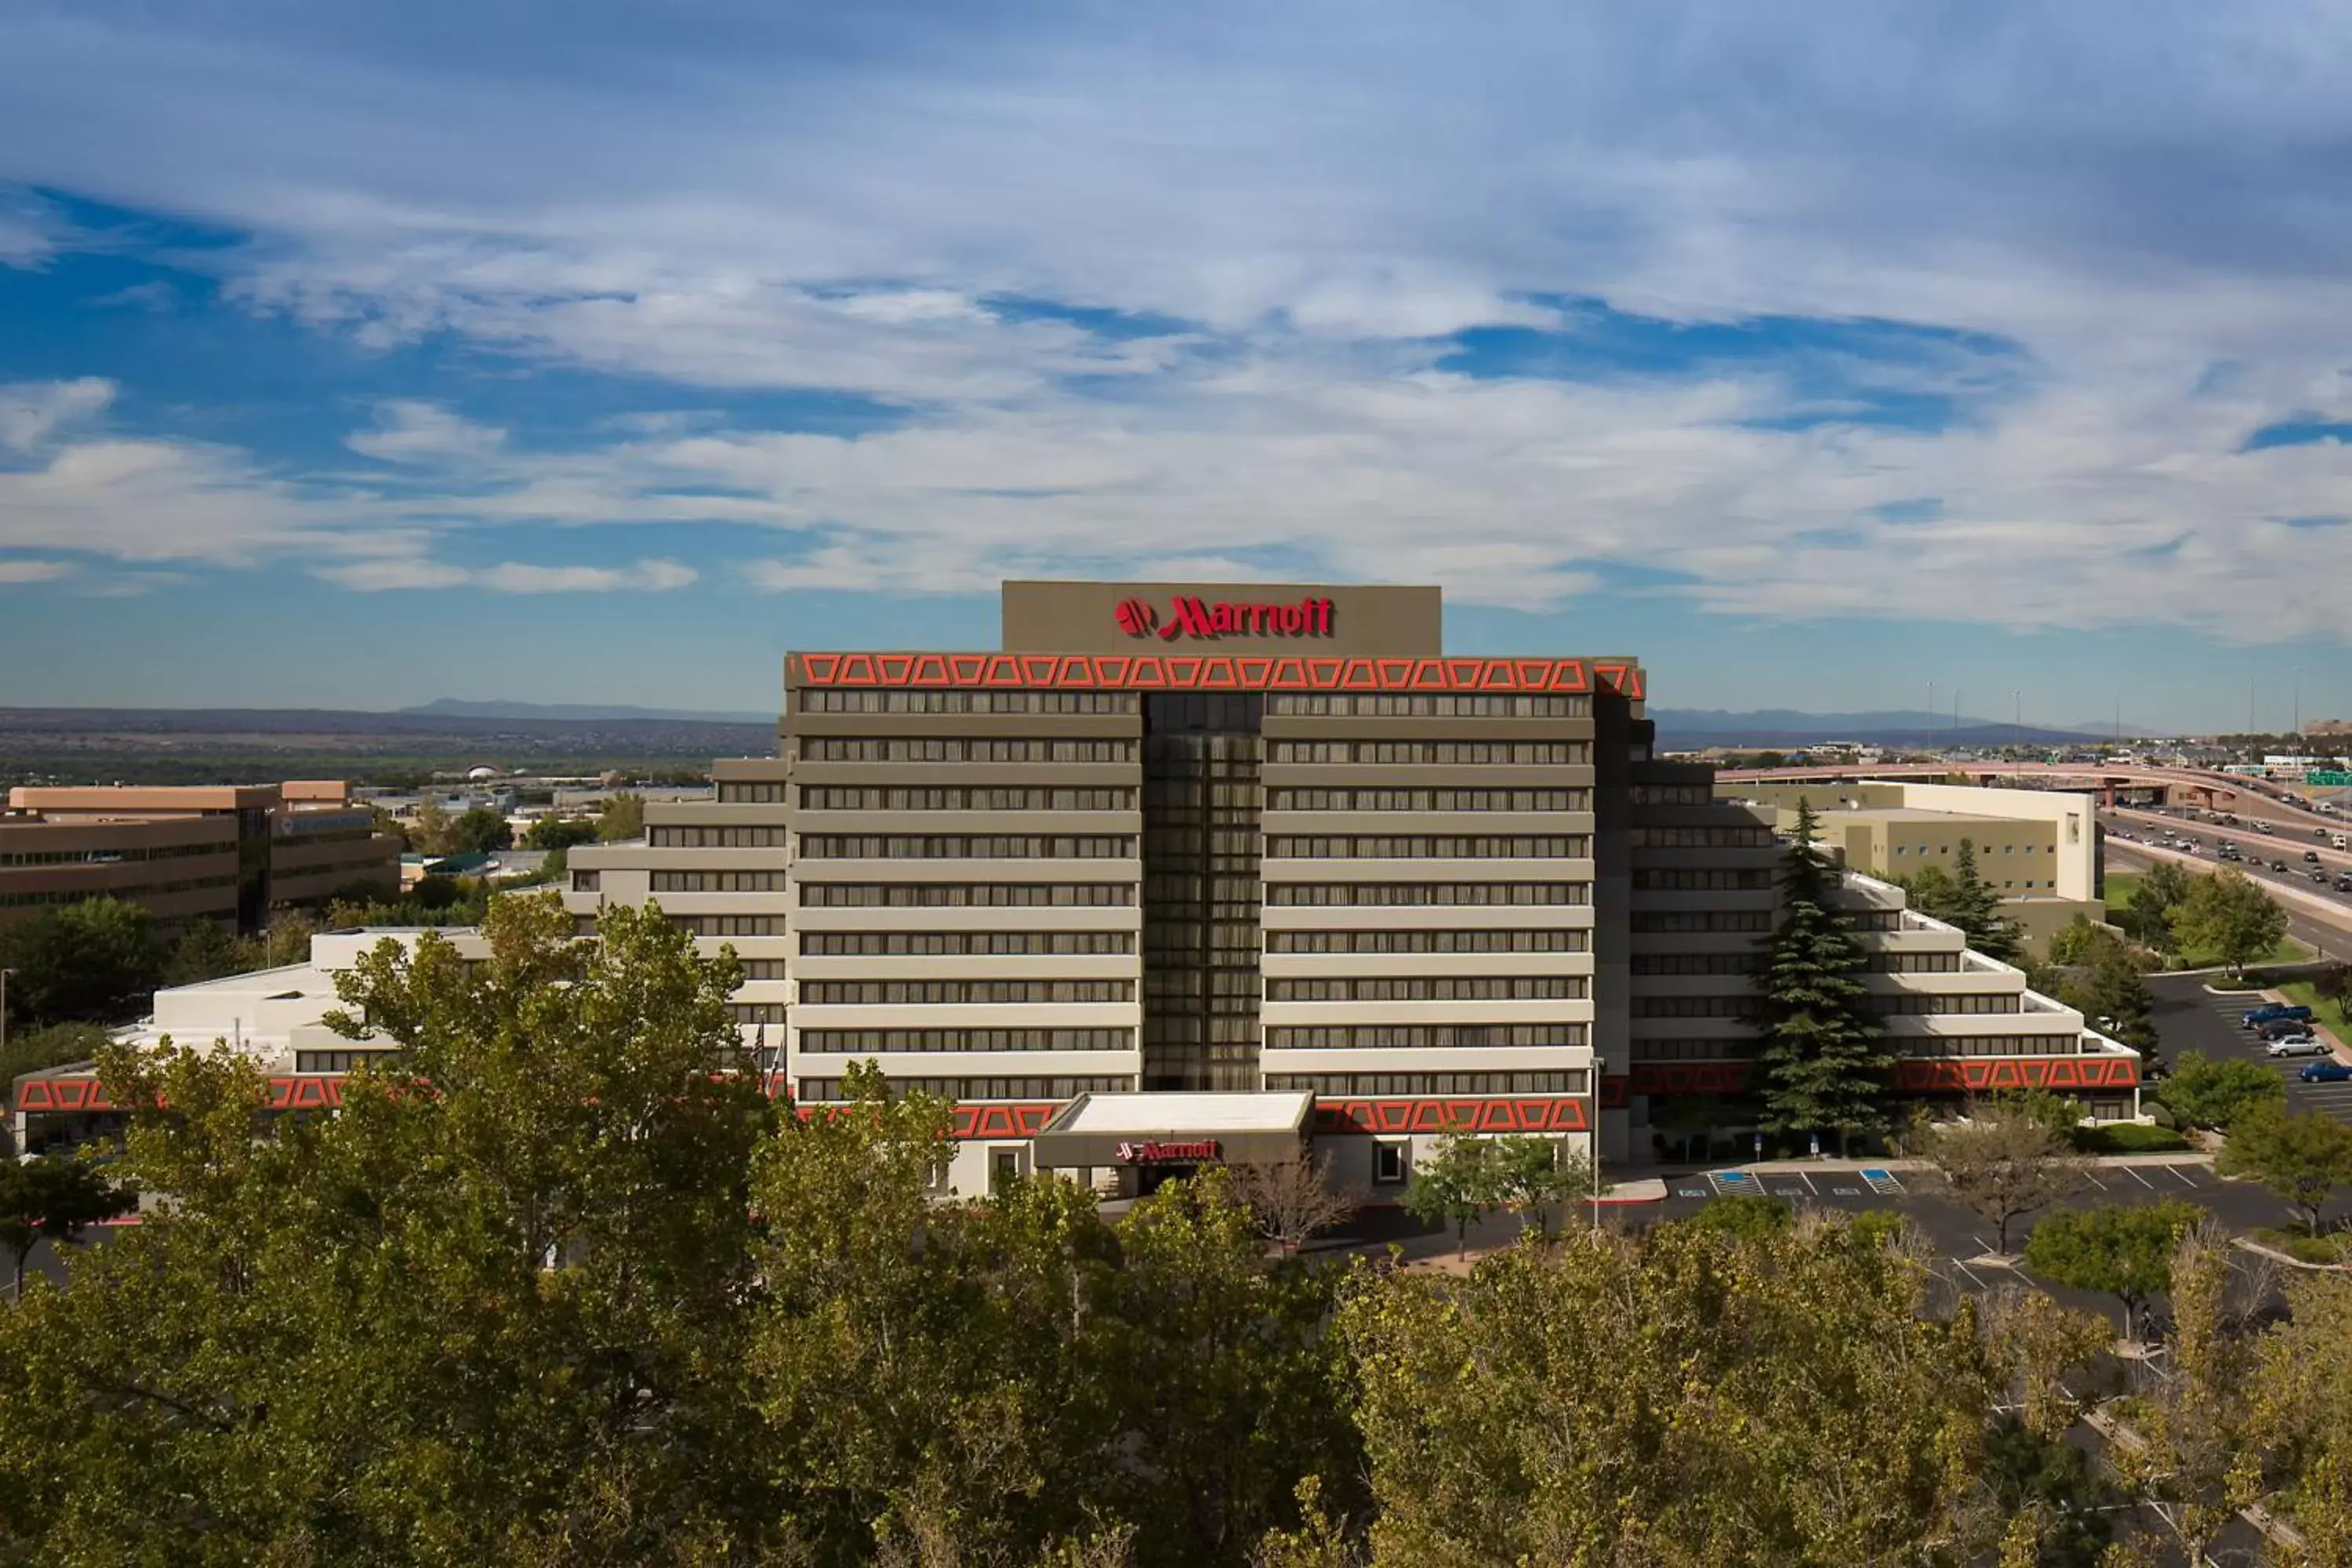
(1190, 615)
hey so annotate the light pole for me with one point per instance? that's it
(2018, 714)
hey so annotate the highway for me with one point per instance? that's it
(2322, 922)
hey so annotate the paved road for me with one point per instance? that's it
(2328, 936)
(2189, 1018)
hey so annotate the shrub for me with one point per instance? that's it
(2162, 1114)
(1748, 1214)
(2129, 1138)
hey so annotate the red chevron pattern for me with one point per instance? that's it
(1548, 1113)
(2004, 1072)
(1210, 672)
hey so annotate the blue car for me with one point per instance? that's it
(2325, 1072)
(2273, 1012)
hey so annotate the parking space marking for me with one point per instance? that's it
(1808, 1184)
(2184, 1180)
(1734, 1182)
(2095, 1181)
(1973, 1277)
(2135, 1176)
(1882, 1182)
(1845, 1192)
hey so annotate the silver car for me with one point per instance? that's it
(2298, 1045)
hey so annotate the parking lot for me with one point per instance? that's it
(2189, 1018)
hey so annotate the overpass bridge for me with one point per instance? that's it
(2204, 789)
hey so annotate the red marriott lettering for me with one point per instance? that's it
(1157, 1153)
(1192, 616)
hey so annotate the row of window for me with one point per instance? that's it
(1342, 1084)
(1738, 1006)
(967, 847)
(1695, 880)
(1429, 800)
(1337, 895)
(1902, 1005)
(14, 901)
(1946, 850)
(1435, 847)
(1436, 753)
(753, 792)
(11, 860)
(1691, 923)
(716, 881)
(1729, 1049)
(1430, 988)
(756, 1012)
(335, 1061)
(823, 1090)
(878, 992)
(717, 837)
(718, 925)
(919, 749)
(1912, 963)
(1365, 704)
(1698, 963)
(827, 699)
(894, 798)
(1991, 1046)
(1577, 941)
(964, 895)
(861, 1042)
(1673, 794)
(1419, 1037)
(1756, 838)
(959, 943)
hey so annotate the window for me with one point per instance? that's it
(719, 881)
(1673, 794)
(1436, 753)
(1694, 880)
(963, 895)
(1004, 1167)
(1428, 940)
(925, 749)
(1556, 846)
(966, 847)
(1352, 1084)
(1430, 988)
(862, 1042)
(894, 798)
(946, 944)
(728, 925)
(827, 699)
(1418, 1036)
(717, 837)
(1685, 922)
(1429, 800)
(733, 792)
(1304, 704)
(1422, 894)
(1754, 836)
(1388, 1164)
(586, 882)
(821, 1090)
(336, 1061)
(880, 992)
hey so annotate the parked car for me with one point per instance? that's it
(2297, 1046)
(2278, 1028)
(2278, 865)
(2273, 1012)
(2325, 1072)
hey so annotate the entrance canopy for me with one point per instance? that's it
(1177, 1129)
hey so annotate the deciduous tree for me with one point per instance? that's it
(2126, 1253)
(2227, 914)
(54, 1198)
(624, 818)
(2006, 1160)
(1294, 1201)
(2303, 1157)
(96, 962)
(560, 833)
(479, 830)
(1824, 1057)
(1538, 1175)
(1459, 1181)
(2210, 1093)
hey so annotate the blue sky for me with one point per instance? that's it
(358, 356)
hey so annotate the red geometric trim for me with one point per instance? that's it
(1979, 1077)
(1210, 672)
(1548, 1113)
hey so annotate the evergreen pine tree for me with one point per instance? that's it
(1823, 1067)
(1976, 908)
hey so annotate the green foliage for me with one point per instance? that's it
(1823, 1058)
(1660, 1400)
(54, 1198)
(1879, 1227)
(1962, 898)
(2011, 1155)
(2333, 981)
(1460, 1180)
(95, 961)
(53, 1044)
(433, 901)
(207, 950)
(1536, 1174)
(2208, 1093)
(2072, 1502)
(1749, 1216)
(2303, 1157)
(2228, 915)
(624, 818)
(2126, 1253)
(2130, 1138)
(560, 833)
(479, 831)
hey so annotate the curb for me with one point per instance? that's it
(2275, 1255)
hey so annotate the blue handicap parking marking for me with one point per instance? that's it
(1734, 1182)
(1882, 1182)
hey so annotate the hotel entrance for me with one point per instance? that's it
(1143, 1141)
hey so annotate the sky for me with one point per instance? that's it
(359, 355)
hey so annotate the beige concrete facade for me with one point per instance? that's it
(227, 854)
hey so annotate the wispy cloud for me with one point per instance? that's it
(18, 571)
(512, 577)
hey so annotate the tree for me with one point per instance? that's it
(96, 962)
(1632, 1399)
(1976, 908)
(2071, 1502)
(2126, 1253)
(2117, 991)
(1534, 1173)
(207, 950)
(2303, 1157)
(2227, 915)
(1460, 1181)
(480, 831)
(2163, 888)
(2334, 982)
(1824, 1062)
(2005, 1160)
(432, 834)
(1293, 1200)
(2300, 1415)
(624, 818)
(53, 1044)
(55, 1198)
(2207, 1093)
(381, 820)
(560, 833)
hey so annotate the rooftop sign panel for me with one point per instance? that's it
(1239, 617)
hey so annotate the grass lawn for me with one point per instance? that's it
(2120, 887)
(2329, 1014)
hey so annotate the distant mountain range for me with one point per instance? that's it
(575, 712)
(1695, 729)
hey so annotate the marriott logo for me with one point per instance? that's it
(1161, 1152)
(1190, 615)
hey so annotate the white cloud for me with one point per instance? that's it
(512, 577)
(411, 431)
(20, 571)
(32, 412)
(30, 231)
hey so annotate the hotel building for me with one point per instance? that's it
(1191, 872)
